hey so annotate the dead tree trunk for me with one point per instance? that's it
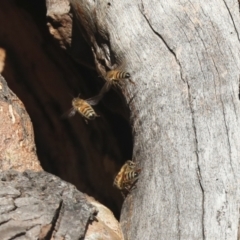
(184, 59)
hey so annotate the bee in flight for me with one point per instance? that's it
(84, 108)
(114, 78)
(127, 176)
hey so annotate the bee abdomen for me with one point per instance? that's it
(131, 175)
(89, 113)
(122, 75)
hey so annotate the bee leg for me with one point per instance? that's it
(128, 188)
(130, 80)
(124, 195)
(116, 84)
(86, 121)
(133, 185)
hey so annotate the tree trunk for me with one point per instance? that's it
(184, 60)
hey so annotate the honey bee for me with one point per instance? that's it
(84, 108)
(116, 75)
(127, 176)
(114, 78)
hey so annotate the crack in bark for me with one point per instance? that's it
(56, 221)
(197, 156)
(23, 232)
(239, 87)
(193, 119)
(5, 221)
(17, 235)
(163, 40)
(181, 75)
(232, 20)
(228, 138)
(10, 210)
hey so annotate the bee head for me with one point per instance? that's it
(127, 75)
(74, 101)
(136, 174)
(130, 163)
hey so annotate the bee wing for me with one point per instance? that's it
(94, 100)
(106, 87)
(71, 112)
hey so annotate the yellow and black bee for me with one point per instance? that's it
(127, 176)
(114, 78)
(84, 108)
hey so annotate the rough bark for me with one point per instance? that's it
(42, 206)
(184, 58)
(17, 147)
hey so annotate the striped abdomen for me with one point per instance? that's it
(117, 75)
(130, 176)
(87, 111)
(84, 108)
(127, 176)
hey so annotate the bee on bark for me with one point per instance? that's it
(127, 176)
(84, 108)
(114, 78)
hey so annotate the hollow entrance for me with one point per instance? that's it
(44, 77)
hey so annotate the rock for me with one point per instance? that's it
(17, 147)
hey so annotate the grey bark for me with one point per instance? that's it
(41, 206)
(184, 58)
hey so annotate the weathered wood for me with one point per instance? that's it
(63, 29)
(184, 58)
(41, 206)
